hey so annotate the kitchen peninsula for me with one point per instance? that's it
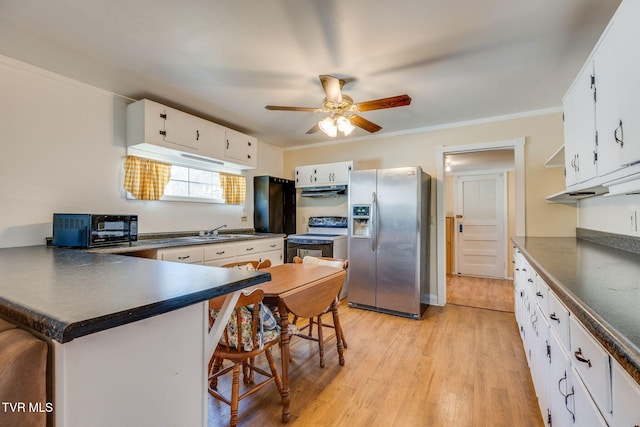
(128, 336)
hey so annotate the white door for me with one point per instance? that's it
(481, 225)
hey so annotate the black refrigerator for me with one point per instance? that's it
(274, 205)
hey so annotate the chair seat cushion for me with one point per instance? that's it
(270, 331)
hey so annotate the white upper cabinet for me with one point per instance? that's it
(240, 148)
(627, 65)
(159, 129)
(607, 111)
(334, 173)
(306, 176)
(321, 175)
(580, 128)
(198, 135)
(614, 67)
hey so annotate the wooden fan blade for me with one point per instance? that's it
(314, 129)
(363, 123)
(332, 88)
(379, 104)
(283, 108)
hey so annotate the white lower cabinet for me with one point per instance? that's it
(541, 363)
(559, 411)
(591, 361)
(247, 251)
(273, 250)
(626, 398)
(585, 410)
(219, 254)
(577, 382)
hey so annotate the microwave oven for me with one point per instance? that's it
(91, 230)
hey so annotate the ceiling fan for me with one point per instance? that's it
(343, 109)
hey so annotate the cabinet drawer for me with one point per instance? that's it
(249, 248)
(225, 250)
(272, 245)
(559, 320)
(592, 363)
(626, 398)
(191, 255)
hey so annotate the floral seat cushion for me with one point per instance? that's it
(269, 329)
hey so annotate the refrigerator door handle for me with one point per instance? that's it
(374, 222)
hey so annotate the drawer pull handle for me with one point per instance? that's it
(579, 357)
(273, 246)
(539, 294)
(249, 249)
(530, 280)
(184, 257)
(555, 317)
(221, 253)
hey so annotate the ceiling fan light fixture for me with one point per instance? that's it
(344, 125)
(328, 126)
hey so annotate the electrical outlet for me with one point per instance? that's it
(633, 224)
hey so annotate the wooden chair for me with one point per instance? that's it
(316, 318)
(257, 265)
(240, 355)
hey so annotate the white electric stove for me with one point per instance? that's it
(326, 237)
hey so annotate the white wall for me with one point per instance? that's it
(609, 214)
(62, 147)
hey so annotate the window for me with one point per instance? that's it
(194, 185)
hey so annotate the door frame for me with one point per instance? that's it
(505, 221)
(517, 145)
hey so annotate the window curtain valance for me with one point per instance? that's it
(234, 188)
(145, 179)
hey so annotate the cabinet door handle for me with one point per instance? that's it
(566, 403)
(539, 294)
(227, 144)
(197, 135)
(619, 131)
(553, 316)
(579, 356)
(564, 378)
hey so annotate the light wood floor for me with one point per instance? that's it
(459, 366)
(492, 294)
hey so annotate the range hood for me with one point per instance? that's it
(324, 191)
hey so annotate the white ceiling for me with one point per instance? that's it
(225, 60)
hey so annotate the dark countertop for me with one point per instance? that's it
(67, 293)
(599, 284)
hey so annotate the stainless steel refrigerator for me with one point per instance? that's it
(389, 240)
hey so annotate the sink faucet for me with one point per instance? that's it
(215, 230)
